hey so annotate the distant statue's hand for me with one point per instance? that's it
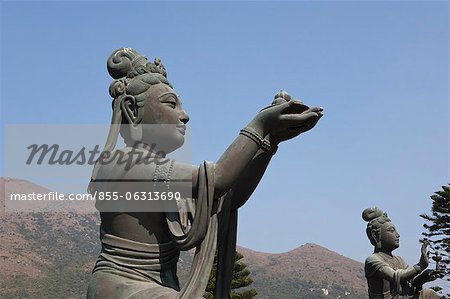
(426, 276)
(435, 274)
(424, 259)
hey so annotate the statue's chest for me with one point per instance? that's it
(394, 263)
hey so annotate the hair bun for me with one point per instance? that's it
(120, 62)
(371, 213)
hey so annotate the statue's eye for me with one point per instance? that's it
(171, 104)
(170, 101)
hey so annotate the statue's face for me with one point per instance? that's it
(163, 112)
(389, 236)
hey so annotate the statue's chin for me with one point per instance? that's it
(393, 247)
(169, 146)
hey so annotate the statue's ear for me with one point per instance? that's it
(130, 109)
(374, 234)
(376, 237)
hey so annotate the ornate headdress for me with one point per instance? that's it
(124, 66)
(127, 62)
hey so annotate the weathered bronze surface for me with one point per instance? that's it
(140, 250)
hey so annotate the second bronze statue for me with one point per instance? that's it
(388, 276)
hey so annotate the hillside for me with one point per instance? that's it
(309, 271)
(44, 255)
(51, 254)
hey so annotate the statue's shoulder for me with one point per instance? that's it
(374, 263)
(375, 257)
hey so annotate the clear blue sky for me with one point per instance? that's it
(380, 70)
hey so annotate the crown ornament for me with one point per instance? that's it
(128, 63)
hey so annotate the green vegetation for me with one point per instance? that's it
(241, 280)
(437, 228)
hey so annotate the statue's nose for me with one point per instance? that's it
(184, 117)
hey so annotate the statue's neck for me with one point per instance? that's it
(143, 146)
(384, 250)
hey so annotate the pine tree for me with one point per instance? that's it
(438, 228)
(240, 279)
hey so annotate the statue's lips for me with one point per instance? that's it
(182, 129)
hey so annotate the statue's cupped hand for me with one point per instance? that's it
(287, 119)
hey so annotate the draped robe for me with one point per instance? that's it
(380, 288)
(130, 269)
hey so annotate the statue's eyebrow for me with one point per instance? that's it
(166, 94)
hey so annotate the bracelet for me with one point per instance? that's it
(418, 268)
(264, 144)
(273, 147)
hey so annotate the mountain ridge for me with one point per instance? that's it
(43, 255)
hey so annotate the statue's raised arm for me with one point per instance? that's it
(141, 244)
(388, 276)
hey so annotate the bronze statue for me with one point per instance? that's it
(388, 276)
(140, 249)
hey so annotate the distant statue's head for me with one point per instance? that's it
(143, 96)
(380, 229)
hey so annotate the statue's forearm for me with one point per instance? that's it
(404, 274)
(409, 273)
(250, 178)
(424, 277)
(232, 163)
(236, 159)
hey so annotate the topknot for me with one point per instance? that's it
(120, 62)
(370, 214)
(127, 62)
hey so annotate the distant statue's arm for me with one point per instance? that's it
(403, 275)
(428, 274)
(424, 277)
(409, 273)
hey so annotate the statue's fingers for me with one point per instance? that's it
(298, 119)
(315, 109)
(285, 106)
(294, 107)
(304, 126)
(312, 123)
(318, 110)
(424, 245)
(302, 108)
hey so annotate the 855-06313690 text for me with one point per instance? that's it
(107, 195)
